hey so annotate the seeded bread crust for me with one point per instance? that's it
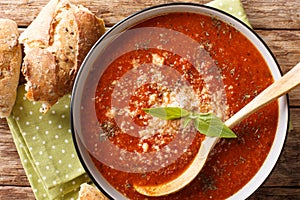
(55, 45)
(10, 64)
(88, 192)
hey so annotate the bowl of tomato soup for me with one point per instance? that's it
(176, 55)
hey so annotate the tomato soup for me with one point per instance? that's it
(185, 60)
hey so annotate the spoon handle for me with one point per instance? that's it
(275, 90)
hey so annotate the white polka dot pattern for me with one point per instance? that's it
(45, 146)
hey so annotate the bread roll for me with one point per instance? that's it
(88, 192)
(10, 64)
(56, 43)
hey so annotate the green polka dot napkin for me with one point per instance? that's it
(46, 149)
(44, 141)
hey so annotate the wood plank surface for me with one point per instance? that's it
(278, 24)
(270, 14)
(15, 192)
(282, 14)
(275, 193)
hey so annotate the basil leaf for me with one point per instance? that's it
(207, 123)
(213, 126)
(167, 113)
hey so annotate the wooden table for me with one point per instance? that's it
(277, 22)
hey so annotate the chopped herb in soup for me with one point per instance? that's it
(184, 60)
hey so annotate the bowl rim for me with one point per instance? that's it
(284, 99)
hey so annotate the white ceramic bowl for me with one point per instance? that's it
(86, 69)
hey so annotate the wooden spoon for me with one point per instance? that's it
(277, 89)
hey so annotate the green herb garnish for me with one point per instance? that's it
(206, 123)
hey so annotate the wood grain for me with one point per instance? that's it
(275, 193)
(285, 45)
(16, 193)
(281, 14)
(276, 22)
(11, 171)
(268, 14)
